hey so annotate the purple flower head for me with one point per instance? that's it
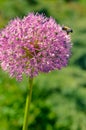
(33, 44)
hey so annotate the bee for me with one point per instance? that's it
(67, 29)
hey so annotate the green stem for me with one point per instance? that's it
(27, 107)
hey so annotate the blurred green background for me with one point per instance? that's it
(59, 98)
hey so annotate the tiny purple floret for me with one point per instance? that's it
(33, 44)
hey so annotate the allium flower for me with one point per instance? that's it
(33, 44)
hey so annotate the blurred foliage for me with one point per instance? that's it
(59, 98)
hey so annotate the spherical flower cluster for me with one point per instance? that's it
(33, 44)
